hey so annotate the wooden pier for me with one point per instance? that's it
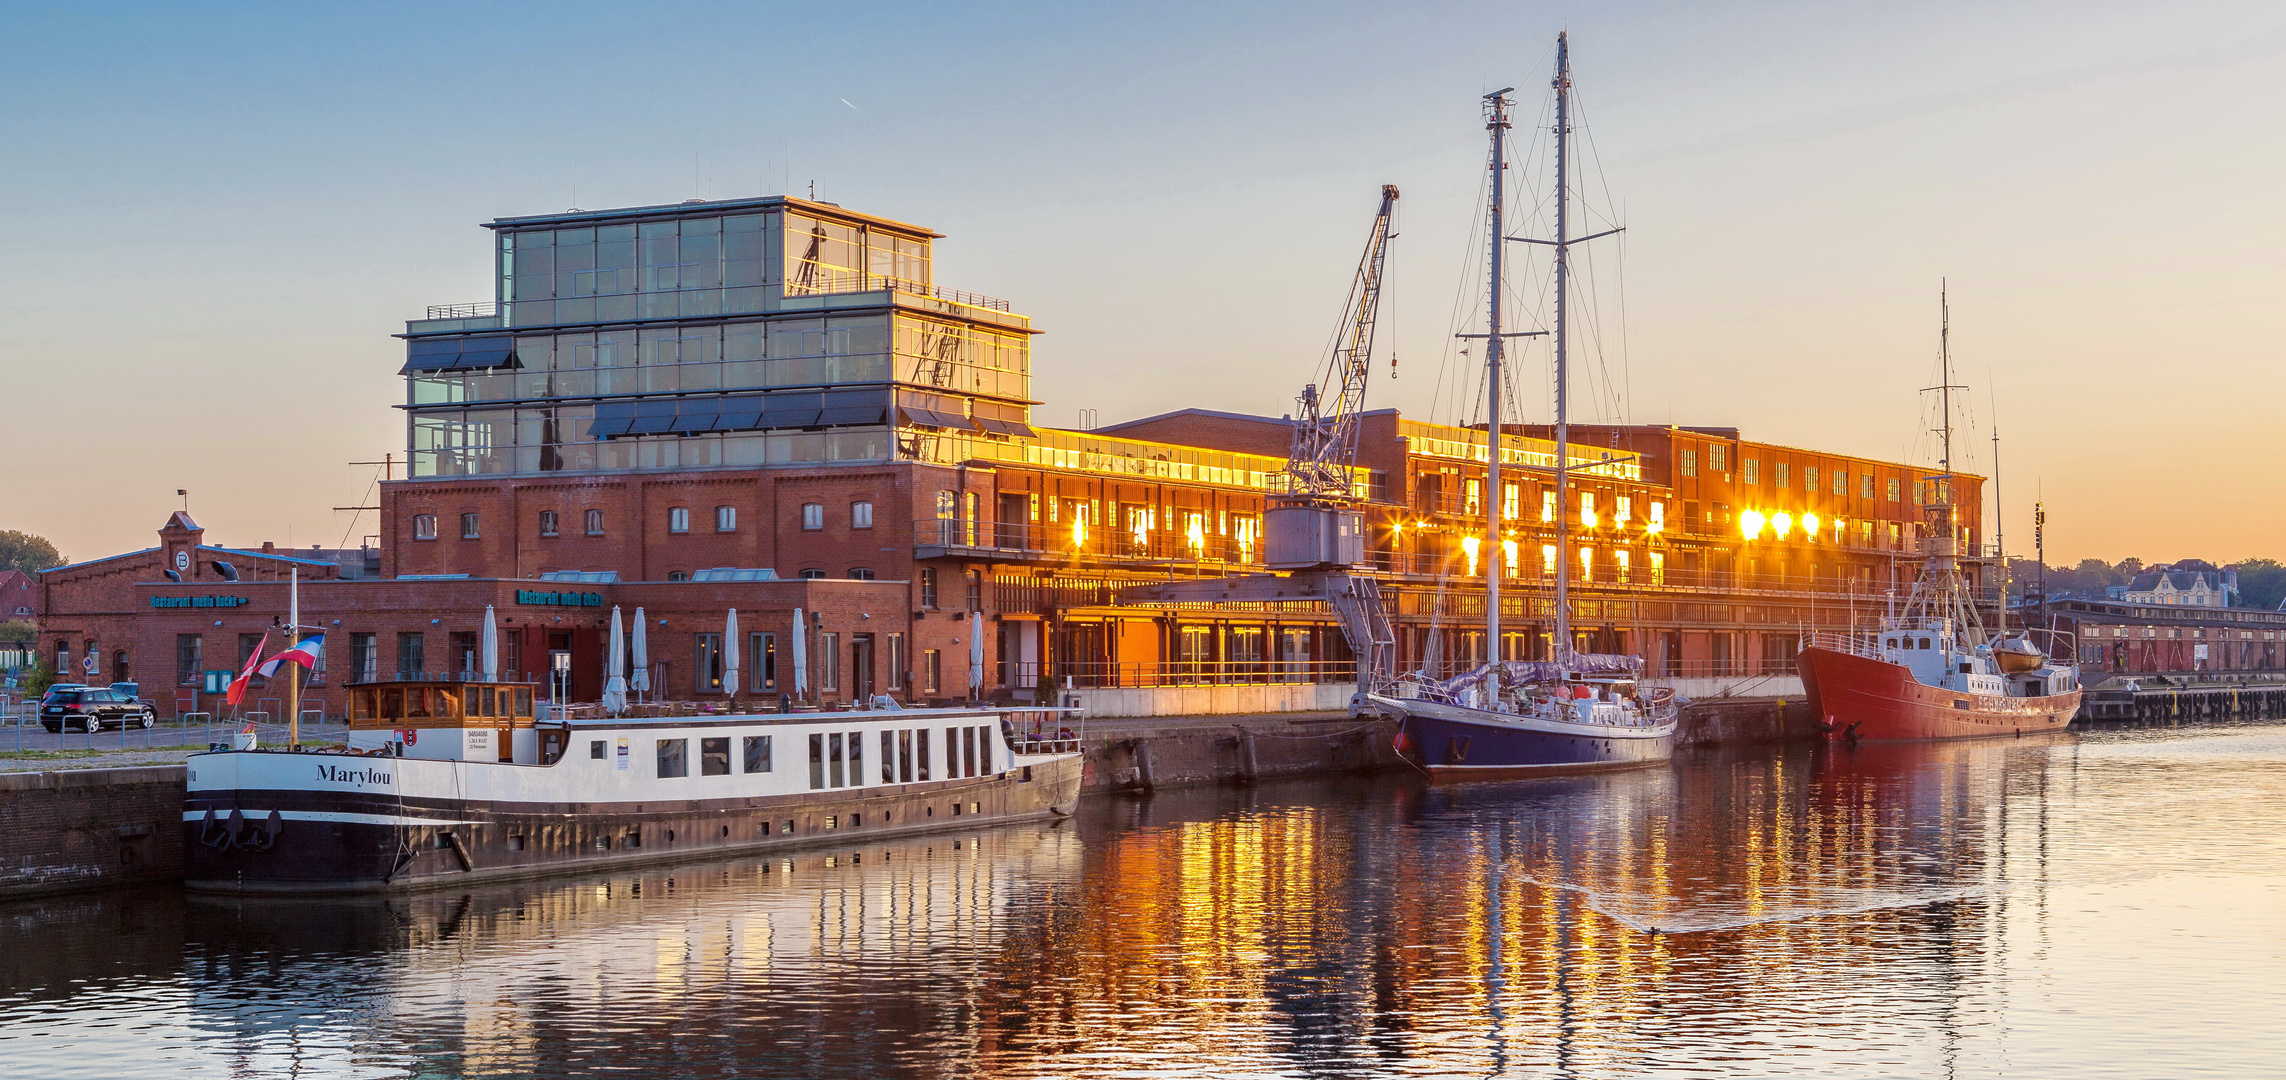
(2170, 706)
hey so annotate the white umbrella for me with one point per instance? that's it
(730, 655)
(615, 669)
(489, 646)
(801, 655)
(639, 680)
(975, 653)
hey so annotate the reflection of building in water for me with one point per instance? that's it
(1507, 926)
(855, 951)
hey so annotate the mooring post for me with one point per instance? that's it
(1248, 767)
(1145, 777)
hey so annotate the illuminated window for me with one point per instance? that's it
(1658, 568)
(1750, 471)
(1809, 478)
(1508, 502)
(1892, 489)
(1547, 507)
(1620, 560)
(1623, 510)
(1784, 469)
(1718, 458)
(1587, 564)
(1865, 485)
(1690, 463)
(1472, 497)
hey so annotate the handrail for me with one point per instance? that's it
(482, 309)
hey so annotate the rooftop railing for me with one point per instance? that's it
(482, 309)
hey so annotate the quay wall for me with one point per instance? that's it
(89, 828)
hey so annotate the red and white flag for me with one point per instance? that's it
(237, 691)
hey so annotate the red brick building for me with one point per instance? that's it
(768, 404)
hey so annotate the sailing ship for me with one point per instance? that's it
(1934, 672)
(1576, 711)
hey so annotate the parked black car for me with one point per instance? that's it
(91, 709)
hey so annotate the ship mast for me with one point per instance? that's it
(1563, 86)
(1493, 341)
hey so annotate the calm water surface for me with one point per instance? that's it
(2087, 906)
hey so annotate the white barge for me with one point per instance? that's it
(449, 781)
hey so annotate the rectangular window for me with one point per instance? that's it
(412, 657)
(952, 754)
(468, 526)
(595, 523)
(424, 526)
(1784, 469)
(896, 661)
(464, 653)
(1809, 478)
(857, 759)
(364, 657)
(921, 755)
(932, 670)
(1718, 458)
(1893, 486)
(813, 516)
(674, 757)
(1865, 485)
(726, 519)
(976, 590)
(817, 760)
(1548, 506)
(829, 662)
(595, 749)
(1749, 471)
(678, 519)
(714, 757)
(1840, 484)
(757, 753)
(905, 757)
(861, 515)
(710, 663)
(929, 587)
(984, 751)
(1508, 502)
(547, 523)
(834, 775)
(187, 659)
(888, 757)
(762, 660)
(1690, 464)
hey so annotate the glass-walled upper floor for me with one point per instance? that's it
(747, 355)
(603, 269)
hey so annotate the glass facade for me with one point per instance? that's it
(691, 337)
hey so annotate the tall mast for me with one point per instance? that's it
(1999, 523)
(1494, 503)
(1563, 87)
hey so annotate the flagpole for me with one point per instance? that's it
(294, 671)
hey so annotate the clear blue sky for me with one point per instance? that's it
(216, 216)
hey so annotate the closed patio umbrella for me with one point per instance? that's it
(975, 654)
(615, 669)
(639, 680)
(801, 655)
(489, 646)
(730, 655)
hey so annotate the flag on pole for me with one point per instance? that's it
(237, 690)
(305, 653)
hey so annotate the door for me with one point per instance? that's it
(861, 667)
(559, 666)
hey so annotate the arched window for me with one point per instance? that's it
(859, 573)
(726, 519)
(813, 516)
(812, 574)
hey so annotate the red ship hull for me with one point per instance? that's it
(1863, 698)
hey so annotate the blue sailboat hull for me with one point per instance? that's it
(1450, 745)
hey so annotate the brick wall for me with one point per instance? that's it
(90, 828)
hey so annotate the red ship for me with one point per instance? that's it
(1935, 673)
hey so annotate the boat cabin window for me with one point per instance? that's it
(595, 749)
(479, 701)
(392, 703)
(714, 757)
(417, 702)
(523, 701)
(1924, 643)
(674, 757)
(758, 753)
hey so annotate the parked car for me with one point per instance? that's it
(91, 709)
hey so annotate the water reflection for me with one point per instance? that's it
(1962, 909)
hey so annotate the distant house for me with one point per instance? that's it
(2189, 588)
(15, 595)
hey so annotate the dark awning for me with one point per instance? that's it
(459, 354)
(612, 419)
(485, 354)
(739, 412)
(696, 416)
(430, 355)
(932, 417)
(850, 408)
(653, 418)
(792, 410)
(1007, 427)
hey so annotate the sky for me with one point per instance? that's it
(216, 216)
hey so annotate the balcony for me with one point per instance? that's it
(456, 318)
(1027, 542)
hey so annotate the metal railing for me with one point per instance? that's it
(1149, 674)
(814, 282)
(482, 309)
(1155, 545)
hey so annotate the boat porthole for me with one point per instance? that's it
(726, 830)
(670, 836)
(929, 811)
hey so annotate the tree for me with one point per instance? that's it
(31, 554)
(19, 630)
(2262, 583)
(37, 679)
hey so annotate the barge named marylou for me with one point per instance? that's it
(448, 780)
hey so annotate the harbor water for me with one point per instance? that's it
(2088, 905)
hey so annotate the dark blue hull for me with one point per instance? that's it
(1460, 749)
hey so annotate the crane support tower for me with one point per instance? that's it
(1315, 524)
(1315, 529)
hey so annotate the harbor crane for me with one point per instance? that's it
(1315, 528)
